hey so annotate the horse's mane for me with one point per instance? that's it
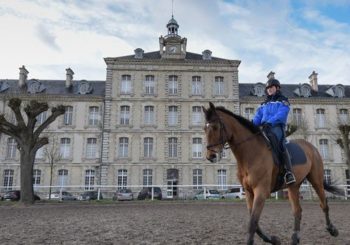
(243, 121)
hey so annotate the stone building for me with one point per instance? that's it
(144, 125)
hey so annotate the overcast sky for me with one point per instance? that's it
(291, 38)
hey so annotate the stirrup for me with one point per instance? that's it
(291, 180)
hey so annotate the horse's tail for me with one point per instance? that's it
(333, 189)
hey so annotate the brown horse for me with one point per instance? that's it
(256, 169)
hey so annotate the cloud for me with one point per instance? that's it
(47, 37)
(289, 38)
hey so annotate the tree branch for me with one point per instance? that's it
(15, 105)
(41, 142)
(56, 111)
(4, 122)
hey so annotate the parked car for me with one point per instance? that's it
(209, 194)
(123, 195)
(66, 196)
(234, 193)
(90, 195)
(15, 195)
(146, 193)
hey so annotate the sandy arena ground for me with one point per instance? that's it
(163, 222)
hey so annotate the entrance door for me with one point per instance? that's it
(172, 181)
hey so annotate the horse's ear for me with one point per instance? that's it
(212, 106)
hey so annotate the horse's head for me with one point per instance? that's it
(215, 134)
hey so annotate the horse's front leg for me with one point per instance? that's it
(255, 212)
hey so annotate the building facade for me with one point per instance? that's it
(143, 126)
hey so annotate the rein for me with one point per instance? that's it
(224, 142)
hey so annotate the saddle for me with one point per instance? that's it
(296, 153)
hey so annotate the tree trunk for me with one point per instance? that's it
(27, 161)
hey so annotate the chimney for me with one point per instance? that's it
(23, 73)
(271, 75)
(313, 81)
(69, 77)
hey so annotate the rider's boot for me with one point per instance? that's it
(289, 176)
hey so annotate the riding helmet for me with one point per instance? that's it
(273, 82)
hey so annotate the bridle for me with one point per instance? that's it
(228, 142)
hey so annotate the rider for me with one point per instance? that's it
(272, 115)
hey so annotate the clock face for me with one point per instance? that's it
(172, 49)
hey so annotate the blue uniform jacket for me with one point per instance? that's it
(274, 111)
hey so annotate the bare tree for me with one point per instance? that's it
(343, 141)
(53, 154)
(298, 127)
(28, 139)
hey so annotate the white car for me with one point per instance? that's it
(65, 196)
(234, 193)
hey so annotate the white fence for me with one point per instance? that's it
(182, 192)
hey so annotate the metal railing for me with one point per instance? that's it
(183, 192)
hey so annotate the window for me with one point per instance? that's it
(149, 85)
(8, 179)
(196, 115)
(36, 177)
(172, 147)
(62, 177)
(196, 85)
(124, 115)
(327, 176)
(11, 148)
(125, 84)
(343, 116)
(324, 151)
(172, 116)
(320, 118)
(40, 119)
(122, 178)
(147, 177)
(123, 147)
(249, 113)
(297, 116)
(65, 148)
(197, 179)
(94, 115)
(91, 148)
(149, 115)
(148, 147)
(219, 86)
(197, 148)
(89, 179)
(222, 179)
(173, 85)
(68, 116)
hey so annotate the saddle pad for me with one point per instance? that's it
(297, 155)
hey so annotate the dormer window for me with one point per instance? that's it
(258, 90)
(206, 54)
(303, 90)
(4, 86)
(35, 86)
(84, 87)
(138, 53)
(339, 91)
(336, 91)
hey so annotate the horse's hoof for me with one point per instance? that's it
(295, 239)
(275, 240)
(332, 230)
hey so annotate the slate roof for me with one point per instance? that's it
(56, 87)
(288, 90)
(156, 56)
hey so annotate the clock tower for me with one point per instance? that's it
(172, 46)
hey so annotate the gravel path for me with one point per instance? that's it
(164, 222)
